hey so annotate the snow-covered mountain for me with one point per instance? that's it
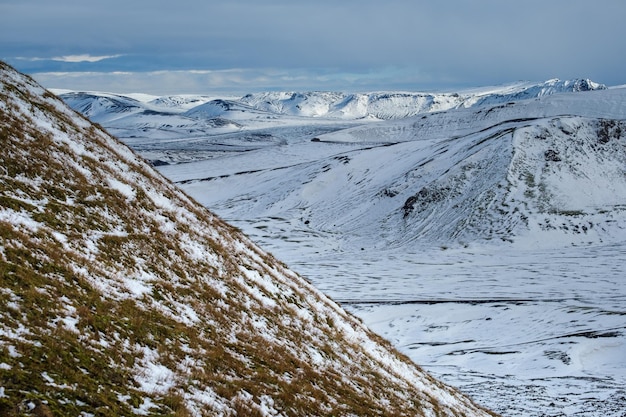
(396, 105)
(486, 241)
(493, 173)
(481, 173)
(105, 107)
(141, 119)
(179, 102)
(123, 296)
(529, 91)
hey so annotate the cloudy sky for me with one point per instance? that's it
(238, 46)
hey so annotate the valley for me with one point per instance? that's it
(486, 242)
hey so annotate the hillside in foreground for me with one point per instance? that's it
(122, 296)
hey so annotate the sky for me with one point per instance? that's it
(209, 46)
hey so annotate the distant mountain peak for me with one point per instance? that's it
(577, 84)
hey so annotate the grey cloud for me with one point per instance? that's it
(457, 41)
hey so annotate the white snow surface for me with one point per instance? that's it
(486, 241)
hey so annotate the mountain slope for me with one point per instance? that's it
(122, 296)
(103, 107)
(500, 171)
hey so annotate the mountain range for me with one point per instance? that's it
(121, 295)
(103, 107)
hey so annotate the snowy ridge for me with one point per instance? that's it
(516, 164)
(122, 296)
(549, 87)
(182, 102)
(397, 105)
(382, 106)
(105, 107)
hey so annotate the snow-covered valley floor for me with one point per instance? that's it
(524, 332)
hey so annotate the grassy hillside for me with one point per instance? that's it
(120, 295)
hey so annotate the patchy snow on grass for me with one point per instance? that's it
(145, 407)
(123, 188)
(138, 285)
(203, 400)
(153, 377)
(20, 219)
